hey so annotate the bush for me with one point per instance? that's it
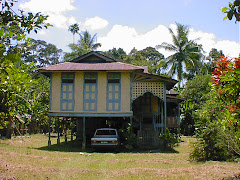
(210, 144)
(168, 140)
(130, 140)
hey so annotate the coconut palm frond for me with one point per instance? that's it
(167, 46)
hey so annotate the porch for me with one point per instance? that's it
(152, 115)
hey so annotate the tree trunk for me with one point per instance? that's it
(9, 128)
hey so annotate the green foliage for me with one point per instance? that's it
(84, 45)
(212, 58)
(186, 53)
(210, 145)
(74, 28)
(209, 112)
(15, 84)
(168, 140)
(196, 94)
(130, 139)
(218, 118)
(233, 9)
(41, 53)
(39, 104)
(149, 57)
(14, 28)
(15, 77)
(117, 54)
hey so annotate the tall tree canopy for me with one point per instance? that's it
(185, 55)
(41, 53)
(86, 44)
(118, 54)
(74, 29)
(212, 58)
(15, 77)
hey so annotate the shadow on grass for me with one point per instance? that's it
(70, 146)
(75, 146)
(167, 150)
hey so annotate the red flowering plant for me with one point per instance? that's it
(226, 81)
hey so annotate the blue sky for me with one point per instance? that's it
(137, 23)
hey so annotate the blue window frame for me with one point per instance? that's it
(67, 92)
(90, 91)
(113, 91)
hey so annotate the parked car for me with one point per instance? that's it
(105, 138)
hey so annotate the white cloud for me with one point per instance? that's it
(230, 48)
(209, 41)
(95, 23)
(72, 20)
(55, 9)
(127, 37)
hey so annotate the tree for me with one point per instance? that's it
(153, 57)
(15, 77)
(212, 58)
(136, 58)
(118, 54)
(84, 45)
(74, 28)
(41, 53)
(196, 93)
(87, 41)
(233, 9)
(38, 100)
(185, 53)
(218, 117)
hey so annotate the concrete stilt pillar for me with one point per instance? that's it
(84, 134)
(58, 138)
(49, 132)
(66, 127)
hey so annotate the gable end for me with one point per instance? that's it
(93, 57)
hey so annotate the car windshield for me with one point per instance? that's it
(106, 132)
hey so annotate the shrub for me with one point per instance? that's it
(218, 119)
(168, 140)
(130, 140)
(210, 144)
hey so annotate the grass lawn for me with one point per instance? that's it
(29, 158)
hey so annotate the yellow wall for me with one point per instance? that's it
(101, 92)
(102, 89)
(78, 89)
(56, 91)
(125, 91)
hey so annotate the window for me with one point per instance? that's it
(67, 92)
(113, 92)
(90, 91)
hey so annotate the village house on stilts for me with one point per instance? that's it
(95, 91)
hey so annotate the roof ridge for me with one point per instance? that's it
(140, 67)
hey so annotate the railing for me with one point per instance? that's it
(172, 122)
(148, 138)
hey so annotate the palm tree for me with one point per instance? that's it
(87, 42)
(74, 28)
(186, 53)
(84, 45)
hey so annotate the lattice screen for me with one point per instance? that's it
(139, 88)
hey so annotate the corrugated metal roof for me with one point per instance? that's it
(71, 66)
